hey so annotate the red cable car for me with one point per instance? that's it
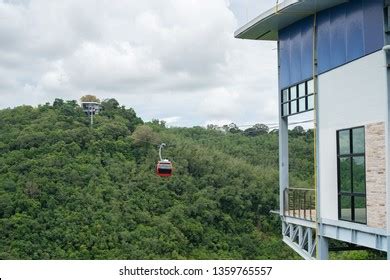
(164, 166)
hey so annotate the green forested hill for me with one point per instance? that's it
(68, 191)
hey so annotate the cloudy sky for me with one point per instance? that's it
(175, 60)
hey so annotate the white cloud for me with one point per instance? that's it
(220, 103)
(175, 60)
(172, 121)
(113, 67)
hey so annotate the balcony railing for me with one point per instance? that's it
(300, 203)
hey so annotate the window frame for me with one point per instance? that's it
(296, 100)
(352, 194)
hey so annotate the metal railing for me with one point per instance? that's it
(300, 203)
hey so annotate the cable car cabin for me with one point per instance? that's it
(164, 168)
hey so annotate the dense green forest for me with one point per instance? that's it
(71, 191)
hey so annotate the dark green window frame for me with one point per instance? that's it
(351, 186)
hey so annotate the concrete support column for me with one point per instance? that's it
(388, 247)
(283, 151)
(323, 248)
(283, 161)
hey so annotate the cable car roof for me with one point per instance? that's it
(267, 25)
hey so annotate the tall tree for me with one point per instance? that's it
(89, 98)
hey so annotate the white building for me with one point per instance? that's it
(91, 108)
(334, 60)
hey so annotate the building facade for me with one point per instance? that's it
(91, 108)
(333, 59)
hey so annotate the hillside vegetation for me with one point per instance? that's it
(69, 191)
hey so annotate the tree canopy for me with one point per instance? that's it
(69, 191)
(89, 98)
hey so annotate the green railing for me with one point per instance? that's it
(300, 203)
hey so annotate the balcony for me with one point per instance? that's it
(300, 203)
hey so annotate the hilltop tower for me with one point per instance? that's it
(91, 106)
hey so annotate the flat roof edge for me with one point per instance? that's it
(266, 26)
(264, 16)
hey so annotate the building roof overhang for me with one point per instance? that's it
(267, 25)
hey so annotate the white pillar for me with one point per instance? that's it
(323, 248)
(283, 149)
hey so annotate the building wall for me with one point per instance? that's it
(349, 31)
(344, 33)
(296, 52)
(376, 175)
(348, 96)
(91, 107)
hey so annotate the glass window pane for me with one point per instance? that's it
(344, 144)
(310, 102)
(285, 109)
(358, 140)
(302, 90)
(345, 175)
(310, 87)
(285, 95)
(345, 203)
(359, 175)
(293, 107)
(360, 210)
(302, 104)
(293, 93)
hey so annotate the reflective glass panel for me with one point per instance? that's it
(294, 107)
(345, 175)
(359, 175)
(360, 210)
(358, 140)
(344, 144)
(302, 90)
(302, 104)
(346, 213)
(310, 87)
(293, 93)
